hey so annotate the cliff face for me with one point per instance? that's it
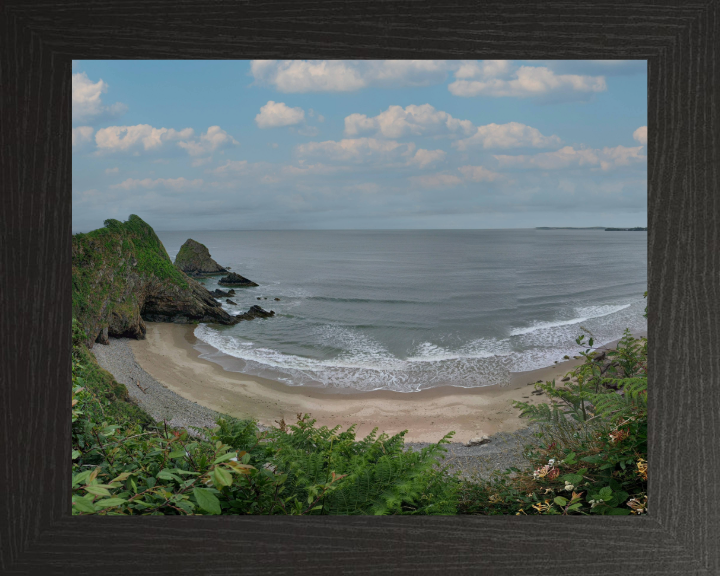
(194, 259)
(122, 275)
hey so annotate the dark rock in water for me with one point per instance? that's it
(122, 277)
(259, 298)
(264, 298)
(255, 312)
(231, 302)
(231, 292)
(233, 279)
(218, 292)
(194, 259)
(277, 299)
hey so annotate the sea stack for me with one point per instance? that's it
(233, 279)
(194, 259)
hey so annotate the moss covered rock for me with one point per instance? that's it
(122, 275)
(194, 259)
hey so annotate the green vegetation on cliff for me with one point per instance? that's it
(121, 274)
(103, 258)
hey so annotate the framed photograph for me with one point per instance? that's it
(341, 262)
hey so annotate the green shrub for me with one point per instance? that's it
(126, 464)
(592, 454)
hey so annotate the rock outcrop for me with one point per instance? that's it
(255, 312)
(122, 276)
(217, 293)
(233, 279)
(194, 259)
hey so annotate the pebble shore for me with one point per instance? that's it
(504, 450)
(159, 402)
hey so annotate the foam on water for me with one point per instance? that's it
(585, 314)
(405, 310)
(363, 363)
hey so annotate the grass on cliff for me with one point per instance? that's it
(109, 398)
(102, 259)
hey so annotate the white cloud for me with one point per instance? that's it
(313, 114)
(346, 75)
(86, 101)
(445, 180)
(529, 81)
(396, 122)
(244, 167)
(311, 169)
(641, 135)
(510, 135)
(146, 137)
(214, 138)
(112, 170)
(307, 131)
(275, 114)
(482, 69)
(81, 135)
(479, 174)
(231, 166)
(356, 150)
(174, 184)
(424, 158)
(201, 161)
(436, 180)
(606, 158)
(124, 138)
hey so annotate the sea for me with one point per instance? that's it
(407, 310)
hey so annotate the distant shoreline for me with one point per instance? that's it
(636, 229)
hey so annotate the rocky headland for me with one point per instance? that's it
(122, 276)
(194, 259)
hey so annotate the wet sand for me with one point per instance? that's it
(168, 355)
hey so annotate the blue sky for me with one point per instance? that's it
(223, 145)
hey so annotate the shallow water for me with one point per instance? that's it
(407, 310)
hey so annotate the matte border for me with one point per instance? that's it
(680, 40)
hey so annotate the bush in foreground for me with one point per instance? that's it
(592, 454)
(123, 464)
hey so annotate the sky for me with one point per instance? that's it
(366, 144)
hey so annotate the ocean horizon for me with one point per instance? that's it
(407, 310)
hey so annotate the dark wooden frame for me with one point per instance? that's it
(681, 42)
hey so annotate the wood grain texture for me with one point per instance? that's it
(680, 40)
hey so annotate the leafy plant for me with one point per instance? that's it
(591, 457)
(126, 464)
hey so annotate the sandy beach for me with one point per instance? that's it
(168, 355)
